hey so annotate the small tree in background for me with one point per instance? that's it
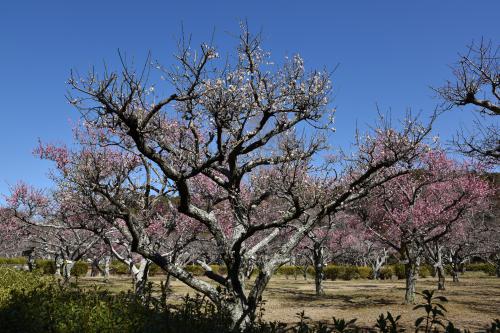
(414, 211)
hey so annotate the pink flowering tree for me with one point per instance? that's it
(341, 238)
(92, 180)
(474, 237)
(49, 228)
(14, 236)
(332, 240)
(417, 209)
(253, 130)
(357, 246)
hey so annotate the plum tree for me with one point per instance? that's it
(233, 142)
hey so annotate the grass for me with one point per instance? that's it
(473, 302)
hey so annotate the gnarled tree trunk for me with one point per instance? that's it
(378, 264)
(140, 276)
(411, 274)
(318, 262)
(66, 268)
(95, 269)
(107, 264)
(441, 277)
(58, 261)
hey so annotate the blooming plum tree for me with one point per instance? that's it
(413, 211)
(50, 229)
(234, 140)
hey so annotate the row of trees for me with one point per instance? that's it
(234, 167)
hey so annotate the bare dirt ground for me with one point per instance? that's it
(473, 302)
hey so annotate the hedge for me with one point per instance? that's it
(14, 261)
(387, 272)
(481, 267)
(48, 266)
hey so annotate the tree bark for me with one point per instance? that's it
(441, 276)
(318, 261)
(140, 276)
(58, 262)
(378, 263)
(411, 273)
(107, 264)
(31, 262)
(67, 266)
(455, 270)
(95, 269)
(239, 313)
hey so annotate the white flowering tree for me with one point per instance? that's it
(250, 132)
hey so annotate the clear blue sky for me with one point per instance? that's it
(389, 52)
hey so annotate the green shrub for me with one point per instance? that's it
(424, 271)
(365, 272)
(57, 309)
(118, 268)
(481, 267)
(45, 266)
(12, 280)
(387, 272)
(477, 267)
(13, 261)
(334, 272)
(489, 269)
(399, 270)
(195, 270)
(350, 273)
(219, 269)
(287, 270)
(80, 268)
(310, 270)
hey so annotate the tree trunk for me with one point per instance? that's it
(378, 264)
(455, 270)
(411, 273)
(95, 269)
(318, 269)
(67, 266)
(441, 277)
(31, 262)
(107, 263)
(239, 314)
(140, 276)
(58, 263)
(242, 309)
(168, 280)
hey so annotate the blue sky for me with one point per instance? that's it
(389, 54)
